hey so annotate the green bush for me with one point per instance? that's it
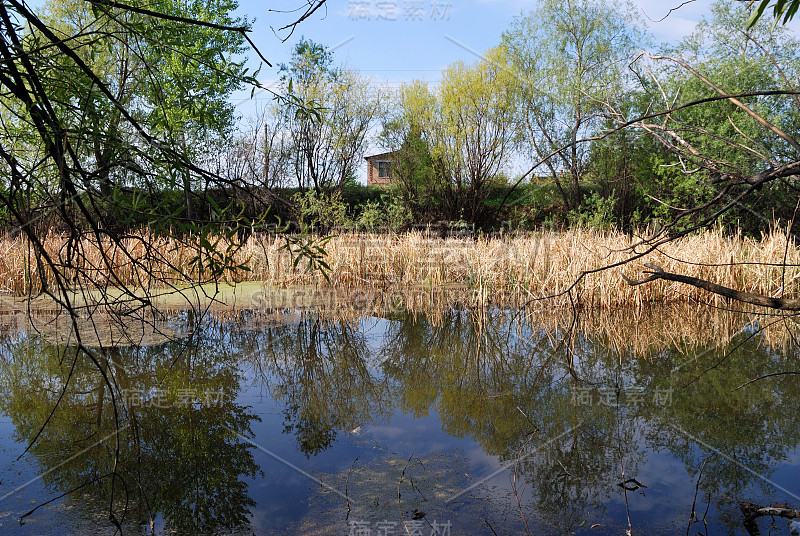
(389, 213)
(320, 211)
(595, 212)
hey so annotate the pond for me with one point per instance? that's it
(457, 421)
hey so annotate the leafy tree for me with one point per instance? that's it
(618, 167)
(414, 181)
(569, 58)
(726, 125)
(708, 138)
(325, 120)
(186, 97)
(102, 109)
(467, 126)
(100, 81)
(93, 117)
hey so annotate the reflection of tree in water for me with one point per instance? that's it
(493, 378)
(505, 386)
(180, 456)
(489, 377)
(502, 390)
(752, 428)
(321, 371)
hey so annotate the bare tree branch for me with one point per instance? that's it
(657, 273)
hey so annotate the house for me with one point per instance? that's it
(379, 168)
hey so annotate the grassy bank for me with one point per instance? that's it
(510, 270)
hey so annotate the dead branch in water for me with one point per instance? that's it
(747, 297)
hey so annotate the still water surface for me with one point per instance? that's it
(457, 423)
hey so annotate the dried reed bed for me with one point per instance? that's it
(544, 266)
(140, 261)
(538, 268)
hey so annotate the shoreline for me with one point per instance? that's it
(540, 270)
(638, 329)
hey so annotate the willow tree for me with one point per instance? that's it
(91, 115)
(187, 94)
(323, 124)
(468, 127)
(569, 58)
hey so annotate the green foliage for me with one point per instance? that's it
(454, 140)
(595, 212)
(320, 211)
(372, 216)
(708, 144)
(781, 9)
(311, 251)
(356, 195)
(324, 120)
(570, 60)
(398, 216)
(415, 182)
(391, 213)
(665, 164)
(199, 67)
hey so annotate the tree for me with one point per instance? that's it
(414, 183)
(183, 101)
(118, 66)
(717, 140)
(759, 62)
(618, 167)
(569, 58)
(325, 120)
(468, 126)
(186, 97)
(729, 131)
(89, 125)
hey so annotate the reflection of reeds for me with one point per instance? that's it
(687, 329)
(628, 331)
(642, 331)
(511, 270)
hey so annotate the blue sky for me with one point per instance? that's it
(400, 40)
(394, 41)
(403, 39)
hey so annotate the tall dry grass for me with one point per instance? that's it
(511, 270)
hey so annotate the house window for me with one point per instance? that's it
(384, 170)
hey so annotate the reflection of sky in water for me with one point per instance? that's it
(370, 457)
(18, 480)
